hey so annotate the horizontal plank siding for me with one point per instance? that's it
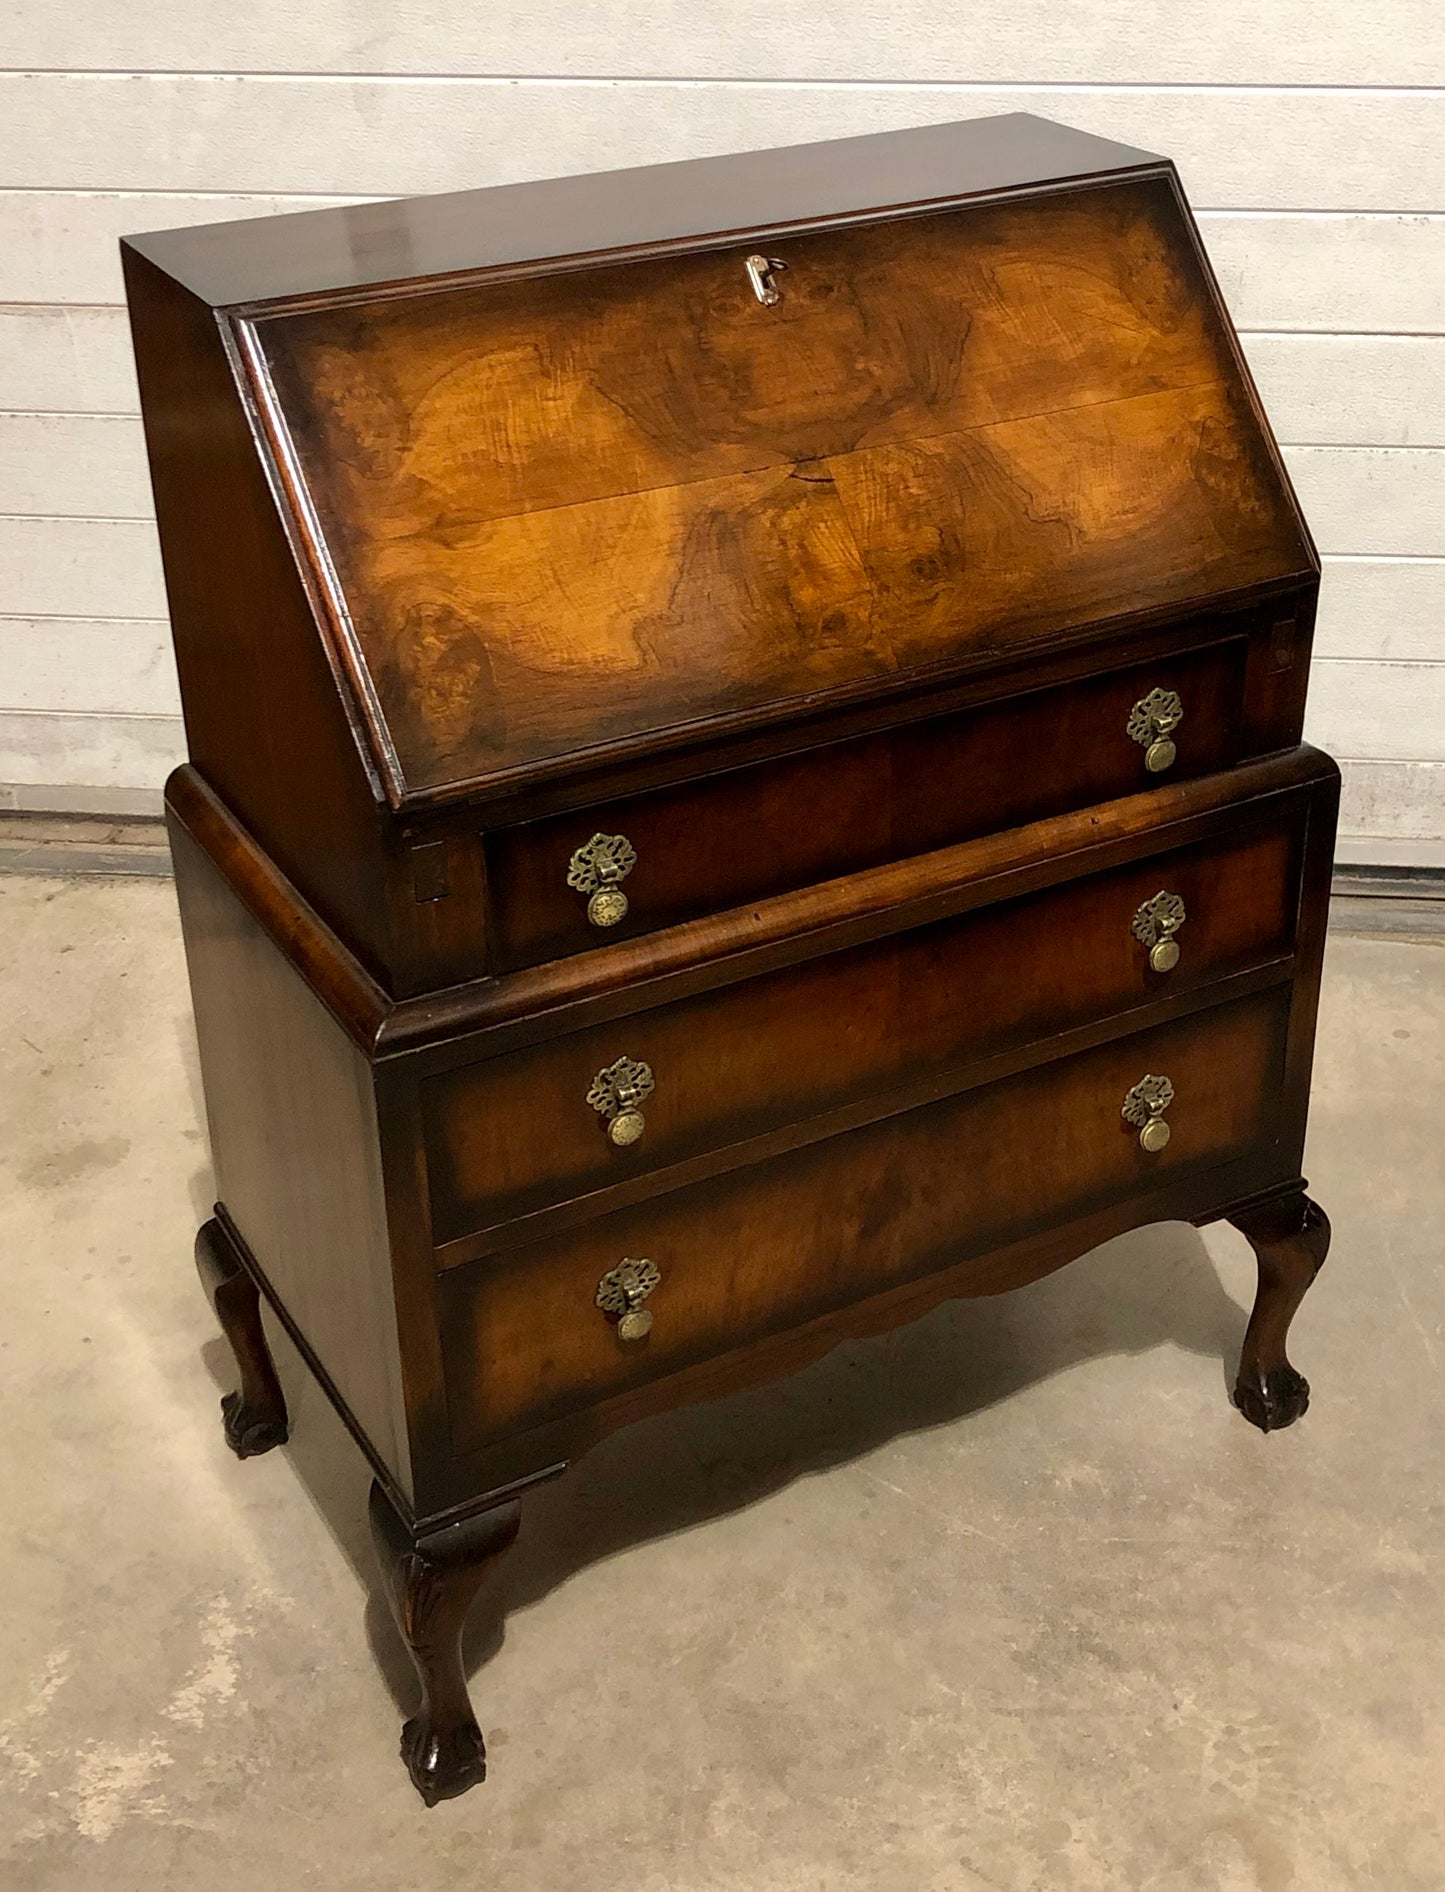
(1388, 610)
(81, 568)
(1372, 499)
(60, 245)
(1397, 802)
(1311, 141)
(1327, 272)
(62, 360)
(86, 466)
(1342, 390)
(1248, 147)
(1384, 712)
(90, 751)
(88, 666)
(1292, 42)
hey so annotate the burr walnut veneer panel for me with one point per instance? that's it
(568, 512)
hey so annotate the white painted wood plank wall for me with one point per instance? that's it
(1312, 141)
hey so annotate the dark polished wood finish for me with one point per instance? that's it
(480, 563)
(569, 220)
(701, 507)
(851, 805)
(430, 1583)
(506, 1137)
(778, 1243)
(1290, 1238)
(254, 1416)
(846, 607)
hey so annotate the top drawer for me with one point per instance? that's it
(745, 835)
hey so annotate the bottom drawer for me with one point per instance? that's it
(765, 1248)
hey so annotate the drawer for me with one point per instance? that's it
(769, 1247)
(753, 832)
(517, 1133)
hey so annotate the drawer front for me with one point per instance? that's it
(517, 1133)
(765, 1248)
(754, 832)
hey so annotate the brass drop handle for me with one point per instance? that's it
(1144, 1107)
(1151, 723)
(1155, 925)
(615, 1095)
(621, 1292)
(760, 274)
(598, 868)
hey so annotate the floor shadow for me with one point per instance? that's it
(1153, 1287)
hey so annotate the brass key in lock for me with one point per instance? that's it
(623, 1289)
(616, 1094)
(1155, 925)
(1151, 723)
(761, 270)
(1144, 1107)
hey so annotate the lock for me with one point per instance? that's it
(761, 270)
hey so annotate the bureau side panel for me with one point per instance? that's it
(294, 1141)
(265, 722)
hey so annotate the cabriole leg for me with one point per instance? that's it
(1290, 1239)
(430, 1584)
(255, 1415)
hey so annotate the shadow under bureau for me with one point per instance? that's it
(745, 779)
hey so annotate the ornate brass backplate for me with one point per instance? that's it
(1151, 720)
(615, 1095)
(1144, 1107)
(623, 1289)
(597, 868)
(1155, 925)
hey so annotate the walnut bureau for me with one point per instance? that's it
(745, 779)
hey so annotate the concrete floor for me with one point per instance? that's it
(1011, 1600)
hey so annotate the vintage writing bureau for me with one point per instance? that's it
(745, 779)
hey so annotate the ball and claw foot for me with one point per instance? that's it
(442, 1765)
(248, 1432)
(1290, 1238)
(254, 1417)
(430, 1582)
(1275, 1400)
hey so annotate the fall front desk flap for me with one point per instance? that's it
(552, 514)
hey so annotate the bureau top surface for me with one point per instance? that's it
(798, 427)
(258, 258)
